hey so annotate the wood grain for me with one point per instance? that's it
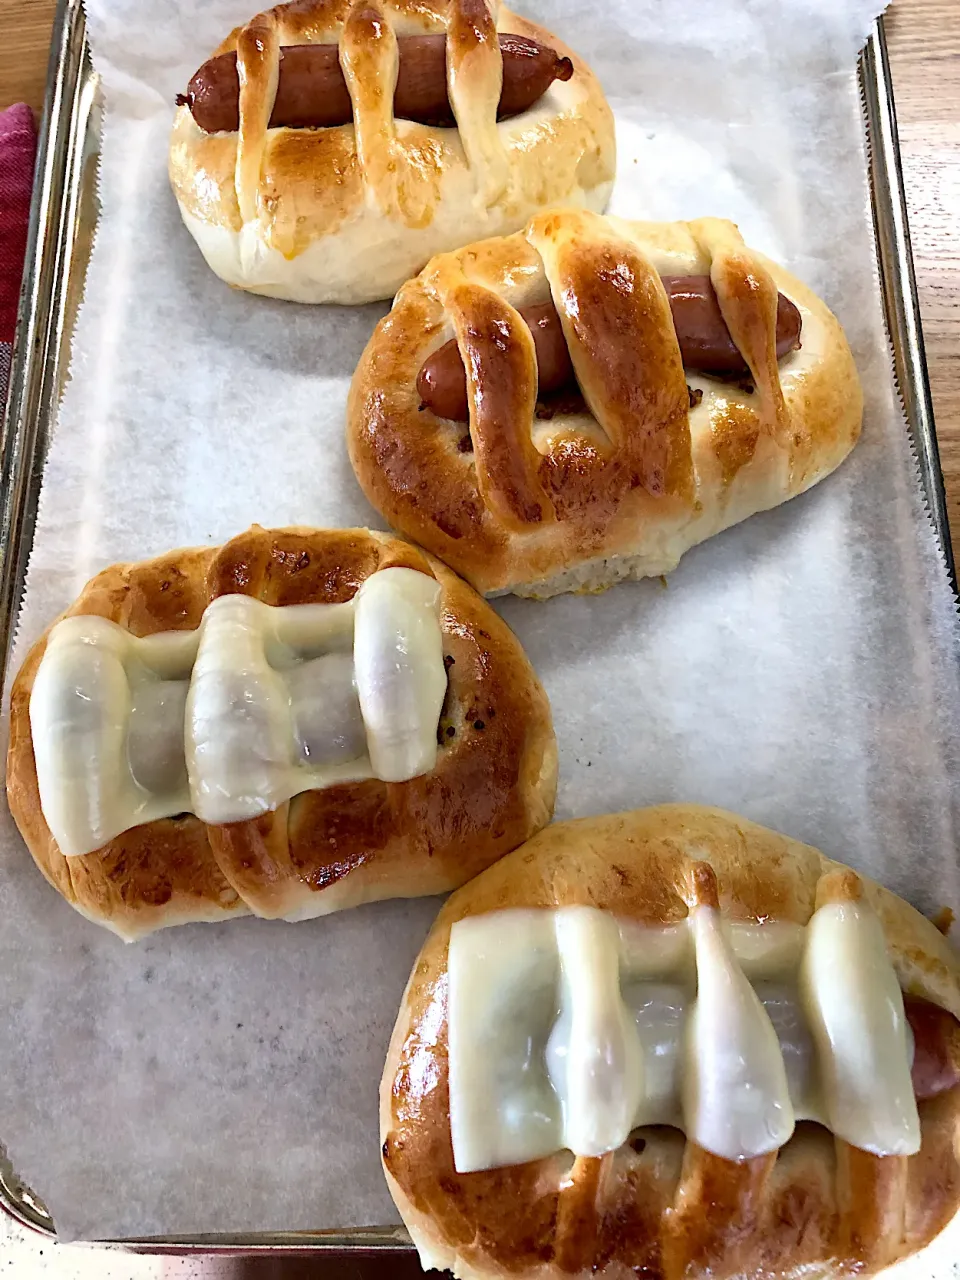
(24, 44)
(924, 39)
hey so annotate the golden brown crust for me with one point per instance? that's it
(492, 787)
(659, 1206)
(384, 195)
(642, 476)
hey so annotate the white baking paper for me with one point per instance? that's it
(800, 669)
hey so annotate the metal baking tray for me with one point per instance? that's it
(62, 221)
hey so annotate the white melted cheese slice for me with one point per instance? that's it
(735, 1093)
(570, 1028)
(855, 1009)
(401, 680)
(503, 980)
(244, 752)
(594, 1055)
(257, 705)
(106, 719)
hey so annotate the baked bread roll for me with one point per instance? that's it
(632, 389)
(306, 182)
(350, 721)
(696, 1062)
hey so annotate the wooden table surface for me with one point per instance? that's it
(924, 39)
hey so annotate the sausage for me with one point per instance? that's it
(705, 342)
(442, 383)
(936, 1038)
(705, 346)
(312, 93)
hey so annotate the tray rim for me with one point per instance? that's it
(41, 347)
(898, 281)
(36, 356)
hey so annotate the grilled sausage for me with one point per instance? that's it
(705, 346)
(312, 93)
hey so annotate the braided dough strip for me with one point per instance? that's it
(748, 303)
(369, 59)
(659, 1205)
(500, 363)
(647, 470)
(323, 850)
(258, 63)
(619, 330)
(475, 78)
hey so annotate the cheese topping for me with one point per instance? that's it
(258, 704)
(401, 679)
(594, 1056)
(735, 1092)
(855, 1010)
(570, 1028)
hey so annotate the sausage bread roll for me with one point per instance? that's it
(330, 147)
(585, 400)
(295, 722)
(673, 1044)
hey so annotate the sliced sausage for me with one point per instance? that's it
(312, 93)
(705, 346)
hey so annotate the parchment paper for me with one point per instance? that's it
(800, 669)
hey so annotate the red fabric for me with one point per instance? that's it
(18, 146)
